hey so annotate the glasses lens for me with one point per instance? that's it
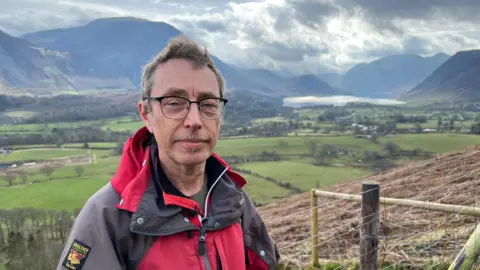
(211, 108)
(174, 107)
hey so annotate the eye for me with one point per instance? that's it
(210, 104)
(174, 102)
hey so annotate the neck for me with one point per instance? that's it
(188, 179)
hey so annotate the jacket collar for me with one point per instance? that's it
(134, 175)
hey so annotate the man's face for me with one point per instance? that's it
(190, 140)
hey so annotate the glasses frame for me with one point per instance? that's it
(159, 99)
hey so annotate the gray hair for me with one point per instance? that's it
(180, 47)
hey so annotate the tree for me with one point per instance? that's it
(418, 128)
(79, 170)
(119, 148)
(391, 148)
(23, 175)
(9, 178)
(48, 171)
(312, 147)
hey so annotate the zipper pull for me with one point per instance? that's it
(202, 244)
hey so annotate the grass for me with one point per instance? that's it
(54, 195)
(263, 191)
(40, 154)
(68, 191)
(17, 114)
(435, 142)
(287, 145)
(47, 126)
(125, 125)
(303, 175)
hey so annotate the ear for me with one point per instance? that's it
(146, 117)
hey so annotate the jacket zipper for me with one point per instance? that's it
(202, 250)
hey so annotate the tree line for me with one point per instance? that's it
(59, 136)
(32, 238)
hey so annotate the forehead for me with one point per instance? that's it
(180, 77)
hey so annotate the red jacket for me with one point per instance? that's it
(139, 220)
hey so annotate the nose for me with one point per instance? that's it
(193, 119)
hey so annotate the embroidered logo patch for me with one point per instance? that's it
(76, 255)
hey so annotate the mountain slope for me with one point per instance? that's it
(309, 85)
(456, 80)
(119, 47)
(448, 178)
(389, 76)
(113, 47)
(23, 64)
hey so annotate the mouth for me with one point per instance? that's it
(192, 141)
(189, 143)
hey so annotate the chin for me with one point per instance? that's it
(192, 158)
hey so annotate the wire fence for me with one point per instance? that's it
(420, 238)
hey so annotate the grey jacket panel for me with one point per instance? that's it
(256, 236)
(100, 237)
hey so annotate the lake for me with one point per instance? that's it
(4, 166)
(336, 101)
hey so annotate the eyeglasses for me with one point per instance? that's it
(178, 107)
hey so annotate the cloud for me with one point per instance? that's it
(299, 36)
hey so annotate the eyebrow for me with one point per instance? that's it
(184, 93)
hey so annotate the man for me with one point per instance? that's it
(173, 203)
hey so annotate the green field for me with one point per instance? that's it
(55, 194)
(262, 191)
(435, 142)
(286, 145)
(41, 154)
(124, 126)
(68, 191)
(297, 144)
(118, 124)
(302, 175)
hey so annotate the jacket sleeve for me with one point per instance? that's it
(90, 244)
(260, 249)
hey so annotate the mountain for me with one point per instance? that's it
(108, 48)
(388, 76)
(119, 47)
(309, 85)
(455, 80)
(26, 65)
(334, 79)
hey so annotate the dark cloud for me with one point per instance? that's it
(415, 9)
(415, 45)
(380, 13)
(290, 33)
(212, 26)
(313, 13)
(284, 17)
(293, 53)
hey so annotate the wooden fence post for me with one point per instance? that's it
(314, 206)
(469, 254)
(370, 226)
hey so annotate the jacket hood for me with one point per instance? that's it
(134, 173)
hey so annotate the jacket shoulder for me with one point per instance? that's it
(261, 248)
(105, 197)
(96, 232)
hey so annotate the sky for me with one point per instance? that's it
(310, 36)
